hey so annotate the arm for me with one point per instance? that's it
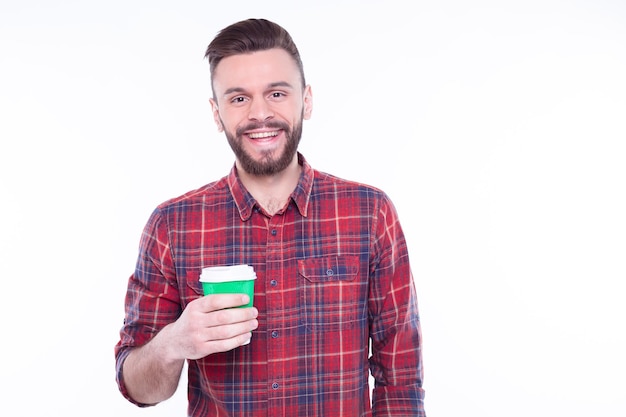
(158, 335)
(151, 372)
(148, 376)
(396, 361)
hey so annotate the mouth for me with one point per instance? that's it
(263, 135)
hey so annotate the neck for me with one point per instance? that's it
(272, 191)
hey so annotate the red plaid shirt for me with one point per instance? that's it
(332, 273)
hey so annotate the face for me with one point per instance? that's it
(260, 105)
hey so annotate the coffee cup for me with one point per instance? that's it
(234, 279)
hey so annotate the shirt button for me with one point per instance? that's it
(274, 232)
(330, 272)
(273, 283)
(275, 385)
(274, 334)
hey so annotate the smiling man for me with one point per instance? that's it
(332, 267)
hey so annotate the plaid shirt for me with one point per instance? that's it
(332, 273)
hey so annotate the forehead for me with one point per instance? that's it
(255, 70)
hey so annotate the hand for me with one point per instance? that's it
(209, 325)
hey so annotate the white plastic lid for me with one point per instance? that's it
(227, 273)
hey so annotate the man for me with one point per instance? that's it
(331, 261)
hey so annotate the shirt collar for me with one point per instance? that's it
(300, 196)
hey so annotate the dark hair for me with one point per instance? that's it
(248, 36)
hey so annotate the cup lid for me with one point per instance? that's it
(227, 273)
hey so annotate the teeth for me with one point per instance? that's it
(263, 135)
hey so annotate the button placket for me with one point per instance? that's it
(275, 307)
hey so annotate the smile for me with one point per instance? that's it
(263, 135)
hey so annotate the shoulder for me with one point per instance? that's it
(325, 182)
(186, 209)
(214, 191)
(351, 196)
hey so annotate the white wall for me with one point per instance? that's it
(497, 128)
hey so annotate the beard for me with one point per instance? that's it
(269, 163)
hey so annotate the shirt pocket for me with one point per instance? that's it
(331, 296)
(190, 288)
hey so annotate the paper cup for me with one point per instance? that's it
(236, 279)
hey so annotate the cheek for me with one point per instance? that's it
(228, 120)
(225, 122)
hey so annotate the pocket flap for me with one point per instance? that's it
(332, 268)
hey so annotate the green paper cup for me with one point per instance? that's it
(236, 279)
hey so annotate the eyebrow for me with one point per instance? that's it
(269, 87)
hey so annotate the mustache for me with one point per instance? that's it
(274, 124)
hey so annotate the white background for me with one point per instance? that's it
(497, 128)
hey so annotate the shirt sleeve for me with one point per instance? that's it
(152, 285)
(396, 360)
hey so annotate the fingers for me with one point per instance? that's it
(224, 345)
(222, 337)
(210, 324)
(219, 309)
(227, 331)
(215, 302)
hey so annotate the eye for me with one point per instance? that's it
(238, 99)
(277, 95)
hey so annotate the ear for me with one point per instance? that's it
(307, 102)
(216, 115)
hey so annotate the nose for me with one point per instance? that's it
(260, 110)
